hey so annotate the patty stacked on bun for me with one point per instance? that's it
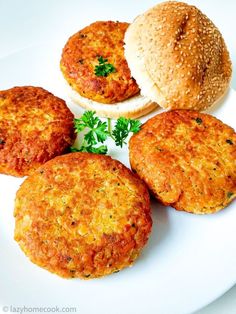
(94, 65)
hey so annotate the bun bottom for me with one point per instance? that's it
(133, 107)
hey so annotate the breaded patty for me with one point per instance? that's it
(187, 159)
(87, 216)
(80, 57)
(35, 126)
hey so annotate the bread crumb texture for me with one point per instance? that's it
(187, 159)
(80, 57)
(87, 216)
(35, 126)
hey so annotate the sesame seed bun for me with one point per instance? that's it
(133, 107)
(178, 57)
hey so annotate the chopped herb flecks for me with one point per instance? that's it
(104, 68)
(198, 120)
(116, 271)
(229, 142)
(230, 194)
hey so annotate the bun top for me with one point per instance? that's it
(178, 56)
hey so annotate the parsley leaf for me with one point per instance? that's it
(86, 120)
(122, 129)
(104, 68)
(99, 150)
(99, 131)
(90, 149)
(74, 149)
(135, 125)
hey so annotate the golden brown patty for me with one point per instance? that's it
(187, 159)
(87, 216)
(35, 126)
(80, 56)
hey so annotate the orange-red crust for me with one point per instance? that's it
(80, 56)
(188, 160)
(35, 126)
(87, 216)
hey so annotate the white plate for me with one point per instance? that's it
(189, 260)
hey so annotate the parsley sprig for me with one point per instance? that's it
(122, 129)
(104, 68)
(95, 131)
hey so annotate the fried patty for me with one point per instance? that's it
(187, 159)
(80, 57)
(35, 126)
(87, 216)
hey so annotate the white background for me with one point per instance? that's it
(24, 23)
